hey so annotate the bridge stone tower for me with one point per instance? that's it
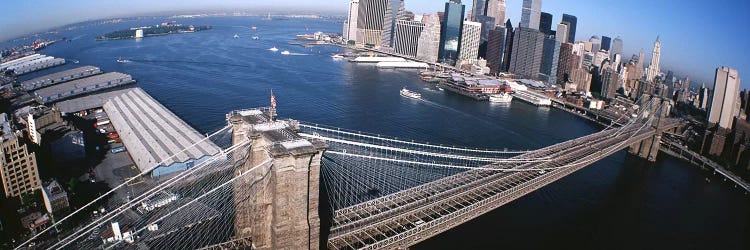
(276, 205)
(649, 148)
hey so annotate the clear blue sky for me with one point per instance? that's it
(697, 36)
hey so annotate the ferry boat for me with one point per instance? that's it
(274, 49)
(501, 98)
(286, 52)
(411, 94)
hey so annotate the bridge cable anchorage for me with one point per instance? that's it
(216, 137)
(174, 185)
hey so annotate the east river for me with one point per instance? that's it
(620, 202)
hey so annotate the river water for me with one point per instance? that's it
(617, 203)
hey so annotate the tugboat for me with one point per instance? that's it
(410, 94)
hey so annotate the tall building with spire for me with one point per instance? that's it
(531, 14)
(653, 69)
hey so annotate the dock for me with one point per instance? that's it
(533, 98)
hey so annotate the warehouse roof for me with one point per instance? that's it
(80, 83)
(30, 84)
(89, 101)
(151, 133)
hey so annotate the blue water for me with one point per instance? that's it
(617, 203)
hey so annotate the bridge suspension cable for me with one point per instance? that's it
(317, 128)
(220, 138)
(174, 185)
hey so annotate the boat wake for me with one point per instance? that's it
(480, 119)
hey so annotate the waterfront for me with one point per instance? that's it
(616, 203)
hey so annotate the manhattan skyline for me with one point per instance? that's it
(691, 46)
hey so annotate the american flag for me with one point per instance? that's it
(273, 100)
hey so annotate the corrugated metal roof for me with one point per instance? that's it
(152, 134)
(80, 83)
(69, 75)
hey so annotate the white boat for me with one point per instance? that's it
(411, 94)
(337, 56)
(285, 52)
(501, 98)
(236, 36)
(256, 37)
(120, 60)
(274, 49)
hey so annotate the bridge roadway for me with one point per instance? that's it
(407, 217)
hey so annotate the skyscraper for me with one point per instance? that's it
(470, 37)
(488, 23)
(596, 44)
(562, 33)
(723, 104)
(528, 46)
(394, 11)
(572, 22)
(616, 48)
(407, 35)
(478, 8)
(496, 49)
(507, 55)
(566, 62)
(703, 97)
(429, 40)
(610, 83)
(18, 169)
(550, 59)
(450, 33)
(531, 14)
(653, 69)
(489, 8)
(545, 23)
(370, 22)
(350, 25)
(606, 43)
(496, 9)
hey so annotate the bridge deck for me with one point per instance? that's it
(412, 215)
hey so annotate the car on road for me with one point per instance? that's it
(117, 150)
